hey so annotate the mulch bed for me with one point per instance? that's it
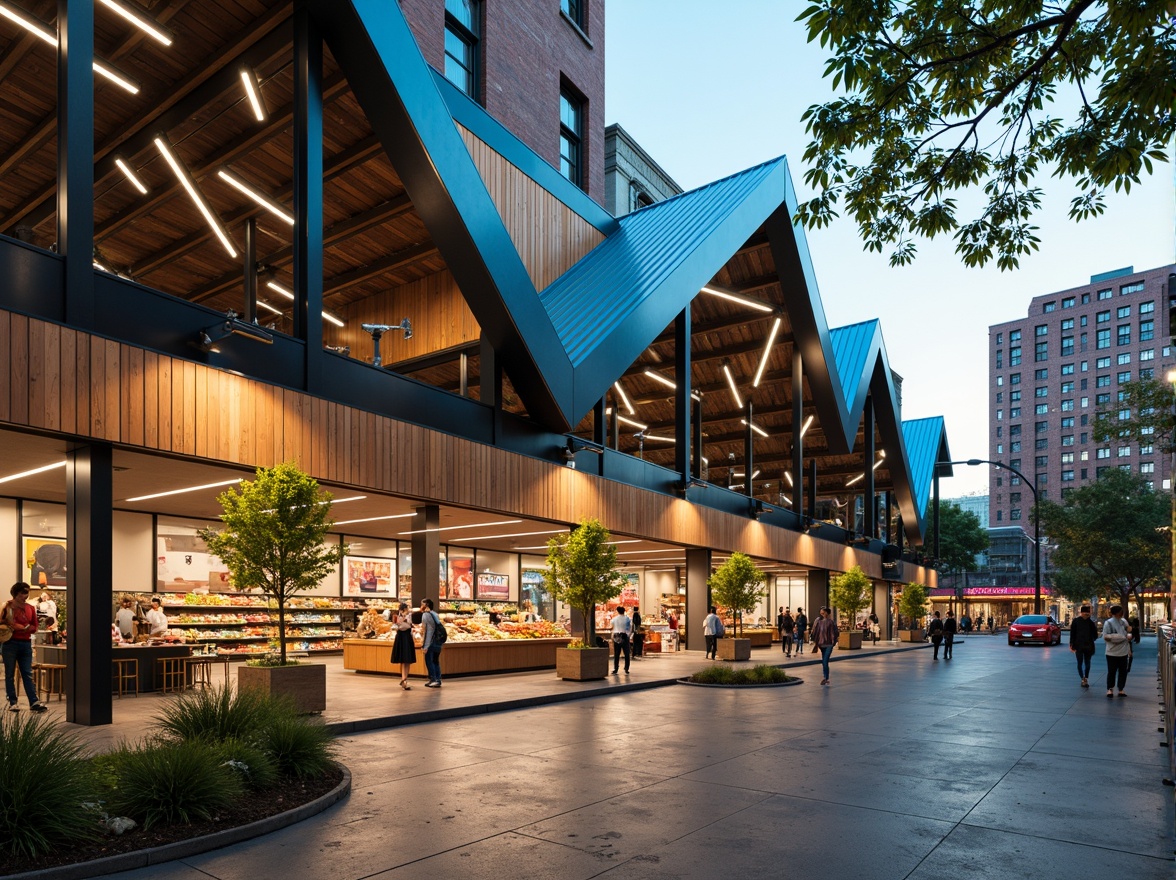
(249, 808)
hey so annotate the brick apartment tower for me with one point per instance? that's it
(1051, 371)
(537, 66)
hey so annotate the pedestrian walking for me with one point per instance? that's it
(1116, 636)
(991, 628)
(801, 627)
(780, 623)
(712, 628)
(949, 634)
(874, 627)
(935, 630)
(638, 635)
(1083, 635)
(622, 629)
(433, 638)
(787, 629)
(825, 636)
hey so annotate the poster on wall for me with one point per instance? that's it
(493, 586)
(182, 562)
(368, 576)
(45, 562)
(461, 578)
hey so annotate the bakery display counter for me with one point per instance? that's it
(457, 658)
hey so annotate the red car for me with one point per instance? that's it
(1035, 628)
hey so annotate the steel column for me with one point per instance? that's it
(682, 400)
(748, 450)
(797, 427)
(426, 551)
(75, 157)
(869, 501)
(812, 489)
(89, 503)
(698, 570)
(308, 193)
(249, 269)
(696, 442)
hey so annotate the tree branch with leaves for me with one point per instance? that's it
(942, 98)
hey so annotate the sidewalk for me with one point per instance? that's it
(357, 702)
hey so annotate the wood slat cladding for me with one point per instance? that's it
(549, 236)
(127, 396)
(439, 314)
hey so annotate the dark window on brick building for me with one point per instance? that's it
(462, 45)
(573, 9)
(571, 129)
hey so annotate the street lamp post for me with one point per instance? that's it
(974, 462)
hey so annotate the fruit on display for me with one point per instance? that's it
(479, 629)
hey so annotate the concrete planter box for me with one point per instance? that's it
(911, 635)
(305, 684)
(581, 664)
(734, 649)
(849, 641)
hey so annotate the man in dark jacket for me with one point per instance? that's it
(935, 631)
(949, 634)
(1083, 635)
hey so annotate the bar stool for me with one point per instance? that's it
(198, 671)
(173, 674)
(125, 674)
(49, 678)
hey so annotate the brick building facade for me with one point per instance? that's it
(1051, 371)
(523, 57)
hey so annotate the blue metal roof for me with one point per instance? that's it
(589, 301)
(852, 346)
(923, 439)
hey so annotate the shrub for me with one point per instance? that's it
(762, 674)
(255, 767)
(219, 714)
(299, 747)
(166, 783)
(44, 782)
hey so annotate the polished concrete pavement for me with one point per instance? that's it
(995, 764)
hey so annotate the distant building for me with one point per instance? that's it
(1051, 371)
(632, 179)
(977, 504)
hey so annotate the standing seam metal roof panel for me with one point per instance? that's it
(851, 348)
(923, 438)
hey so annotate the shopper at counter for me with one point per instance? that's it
(430, 623)
(403, 650)
(18, 650)
(156, 619)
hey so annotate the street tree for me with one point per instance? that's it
(273, 537)
(1109, 537)
(582, 572)
(737, 584)
(850, 593)
(961, 537)
(1149, 404)
(945, 97)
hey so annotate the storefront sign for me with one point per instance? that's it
(974, 592)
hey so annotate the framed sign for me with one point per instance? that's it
(369, 576)
(493, 586)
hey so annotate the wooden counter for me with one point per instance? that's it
(145, 654)
(457, 658)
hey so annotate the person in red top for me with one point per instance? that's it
(18, 650)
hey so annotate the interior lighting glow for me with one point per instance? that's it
(755, 428)
(268, 307)
(759, 373)
(33, 472)
(731, 383)
(624, 398)
(657, 437)
(497, 522)
(850, 482)
(195, 195)
(277, 288)
(126, 169)
(253, 93)
(349, 522)
(621, 418)
(807, 424)
(657, 377)
(48, 34)
(261, 198)
(327, 316)
(788, 477)
(742, 300)
(510, 535)
(139, 20)
(232, 482)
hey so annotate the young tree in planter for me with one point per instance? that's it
(913, 605)
(273, 537)
(582, 572)
(850, 593)
(737, 584)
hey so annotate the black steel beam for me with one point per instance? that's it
(75, 157)
(797, 428)
(308, 193)
(870, 505)
(682, 399)
(426, 554)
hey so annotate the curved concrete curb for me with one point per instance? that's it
(193, 846)
(771, 684)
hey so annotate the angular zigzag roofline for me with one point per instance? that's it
(608, 307)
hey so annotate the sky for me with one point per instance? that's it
(710, 88)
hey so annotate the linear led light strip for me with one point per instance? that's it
(265, 201)
(807, 424)
(876, 465)
(511, 535)
(754, 427)
(767, 352)
(194, 193)
(126, 169)
(33, 472)
(731, 383)
(742, 300)
(497, 522)
(277, 288)
(658, 437)
(348, 522)
(139, 20)
(657, 377)
(624, 398)
(41, 30)
(253, 92)
(188, 489)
